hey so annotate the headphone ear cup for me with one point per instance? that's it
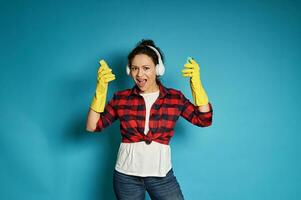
(160, 69)
(128, 71)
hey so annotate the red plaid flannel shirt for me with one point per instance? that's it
(129, 107)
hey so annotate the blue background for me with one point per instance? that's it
(249, 53)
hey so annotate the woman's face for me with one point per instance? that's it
(143, 72)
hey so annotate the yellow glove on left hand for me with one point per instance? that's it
(193, 71)
(104, 76)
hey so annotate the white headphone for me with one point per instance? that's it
(160, 69)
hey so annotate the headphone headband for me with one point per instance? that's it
(160, 69)
(157, 52)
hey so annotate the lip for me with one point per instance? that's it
(140, 81)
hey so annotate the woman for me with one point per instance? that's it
(147, 113)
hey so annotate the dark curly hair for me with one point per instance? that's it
(142, 48)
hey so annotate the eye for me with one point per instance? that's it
(134, 68)
(146, 68)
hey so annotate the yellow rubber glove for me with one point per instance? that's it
(193, 71)
(104, 76)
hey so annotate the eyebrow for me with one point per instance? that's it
(141, 66)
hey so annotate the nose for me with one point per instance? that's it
(140, 72)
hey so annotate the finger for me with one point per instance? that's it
(187, 75)
(105, 71)
(187, 71)
(192, 61)
(103, 66)
(100, 69)
(111, 78)
(103, 63)
(189, 65)
(107, 76)
(102, 75)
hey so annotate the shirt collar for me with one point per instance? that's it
(163, 90)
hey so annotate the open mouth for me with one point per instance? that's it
(141, 82)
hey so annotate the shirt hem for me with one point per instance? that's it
(142, 175)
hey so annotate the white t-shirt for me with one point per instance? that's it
(141, 159)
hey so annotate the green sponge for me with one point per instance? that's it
(189, 58)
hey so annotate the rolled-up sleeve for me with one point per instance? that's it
(192, 114)
(108, 116)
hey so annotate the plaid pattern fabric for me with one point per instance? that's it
(129, 107)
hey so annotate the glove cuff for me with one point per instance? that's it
(99, 99)
(200, 97)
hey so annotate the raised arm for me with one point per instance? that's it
(199, 95)
(104, 76)
(92, 120)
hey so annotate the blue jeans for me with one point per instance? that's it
(127, 187)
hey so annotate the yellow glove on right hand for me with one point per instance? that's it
(193, 71)
(104, 76)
